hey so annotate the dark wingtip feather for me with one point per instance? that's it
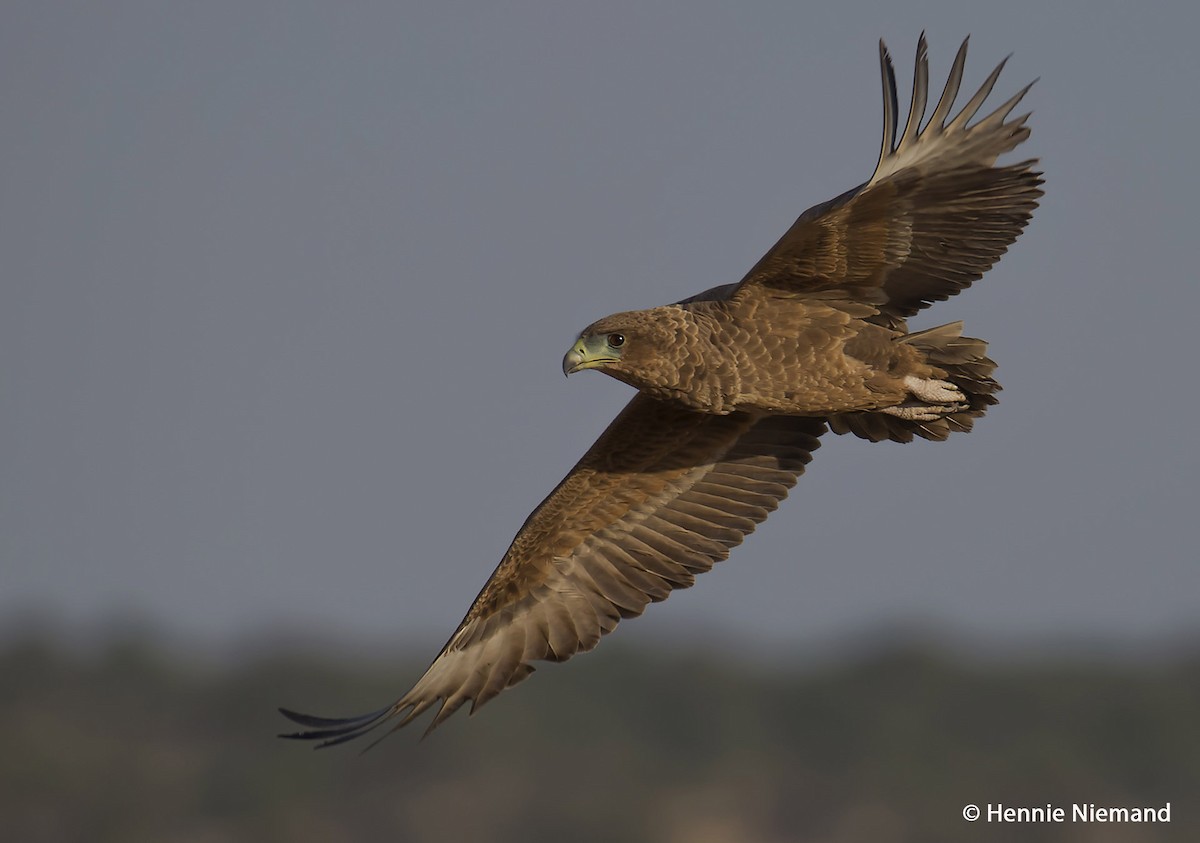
(325, 722)
(332, 730)
(891, 105)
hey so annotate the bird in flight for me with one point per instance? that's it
(736, 384)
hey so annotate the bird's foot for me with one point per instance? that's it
(924, 412)
(934, 391)
(932, 399)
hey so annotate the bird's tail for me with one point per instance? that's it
(963, 361)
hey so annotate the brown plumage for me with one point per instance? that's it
(736, 385)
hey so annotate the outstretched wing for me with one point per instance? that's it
(936, 214)
(662, 495)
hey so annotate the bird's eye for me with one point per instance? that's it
(616, 340)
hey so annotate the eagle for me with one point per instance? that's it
(735, 386)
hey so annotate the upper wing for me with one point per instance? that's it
(935, 215)
(663, 494)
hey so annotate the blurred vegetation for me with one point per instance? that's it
(131, 743)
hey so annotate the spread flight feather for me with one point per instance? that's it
(736, 385)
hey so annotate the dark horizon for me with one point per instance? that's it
(138, 743)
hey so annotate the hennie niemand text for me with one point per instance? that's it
(1079, 812)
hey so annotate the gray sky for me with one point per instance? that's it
(286, 288)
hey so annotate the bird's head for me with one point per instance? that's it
(619, 345)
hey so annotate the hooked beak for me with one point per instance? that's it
(582, 356)
(575, 359)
